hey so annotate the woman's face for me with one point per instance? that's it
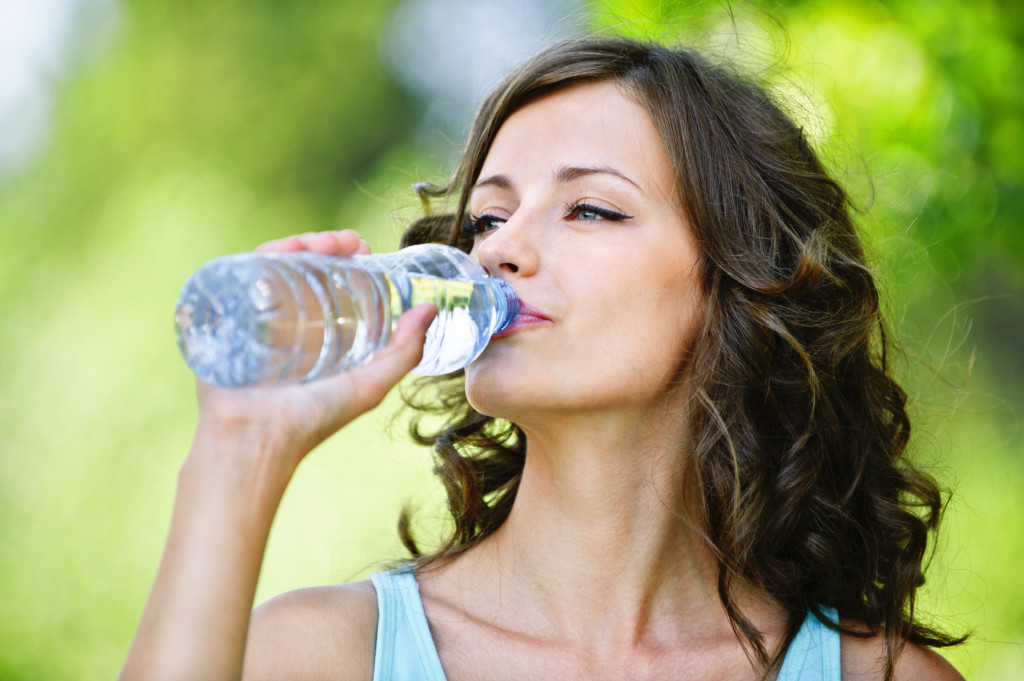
(576, 207)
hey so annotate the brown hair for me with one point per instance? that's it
(798, 430)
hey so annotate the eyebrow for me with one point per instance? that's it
(565, 174)
(570, 173)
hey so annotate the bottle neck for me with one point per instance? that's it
(506, 303)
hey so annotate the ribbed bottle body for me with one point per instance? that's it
(272, 318)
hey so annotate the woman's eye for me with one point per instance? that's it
(589, 213)
(483, 223)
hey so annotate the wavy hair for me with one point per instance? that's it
(798, 430)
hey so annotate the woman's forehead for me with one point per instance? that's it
(585, 125)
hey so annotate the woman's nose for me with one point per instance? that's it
(509, 249)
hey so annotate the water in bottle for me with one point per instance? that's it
(290, 317)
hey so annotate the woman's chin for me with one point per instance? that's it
(490, 399)
(493, 393)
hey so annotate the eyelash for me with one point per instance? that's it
(603, 213)
(478, 224)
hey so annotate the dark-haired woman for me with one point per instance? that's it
(682, 461)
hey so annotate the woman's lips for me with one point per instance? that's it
(528, 316)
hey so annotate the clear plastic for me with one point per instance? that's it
(292, 317)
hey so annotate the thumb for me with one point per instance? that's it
(402, 354)
(410, 335)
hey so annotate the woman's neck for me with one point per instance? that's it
(596, 547)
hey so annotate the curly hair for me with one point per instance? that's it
(798, 478)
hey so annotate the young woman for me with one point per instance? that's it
(682, 461)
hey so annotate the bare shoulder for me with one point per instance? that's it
(863, 659)
(324, 632)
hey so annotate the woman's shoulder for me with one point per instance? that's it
(326, 632)
(863, 659)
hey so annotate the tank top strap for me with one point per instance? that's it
(813, 654)
(405, 649)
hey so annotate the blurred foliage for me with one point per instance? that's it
(209, 127)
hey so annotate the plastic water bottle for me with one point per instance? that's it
(292, 317)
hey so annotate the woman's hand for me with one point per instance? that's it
(248, 442)
(293, 419)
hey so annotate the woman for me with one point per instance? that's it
(683, 460)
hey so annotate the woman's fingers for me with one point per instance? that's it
(341, 243)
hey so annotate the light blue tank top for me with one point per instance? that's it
(406, 651)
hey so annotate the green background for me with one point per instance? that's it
(206, 128)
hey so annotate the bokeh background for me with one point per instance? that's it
(140, 139)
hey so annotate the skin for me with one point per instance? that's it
(592, 575)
